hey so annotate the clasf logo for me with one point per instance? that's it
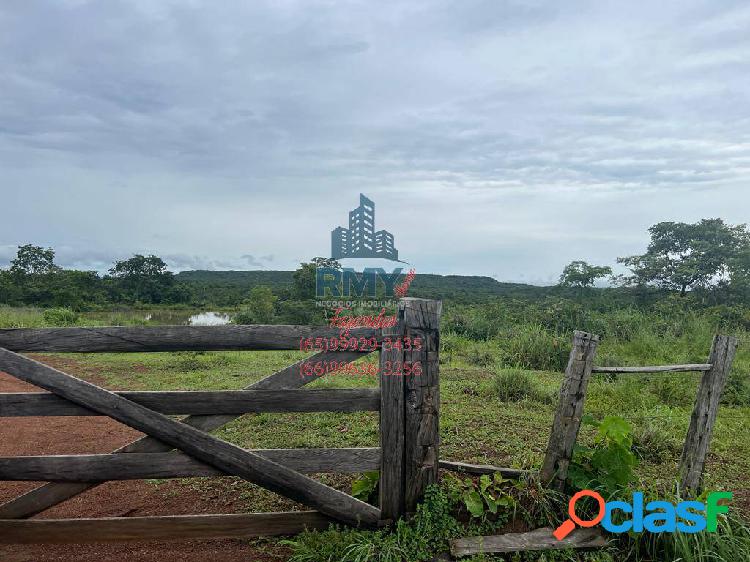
(654, 517)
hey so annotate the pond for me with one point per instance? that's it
(209, 319)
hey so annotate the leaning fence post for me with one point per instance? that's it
(706, 407)
(422, 402)
(569, 410)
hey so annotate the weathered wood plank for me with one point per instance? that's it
(48, 495)
(392, 427)
(706, 408)
(513, 473)
(539, 539)
(117, 529)
(135, 466)
(166, 338)
(225, 456)
(204, 402)
(422, 400)
(655, 369)
(569, 410)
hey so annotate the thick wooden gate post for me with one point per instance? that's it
(391, 424)
(704, 413)
(422, 403)
(410, 407)
(569, 410)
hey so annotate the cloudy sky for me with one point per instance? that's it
(496, 138)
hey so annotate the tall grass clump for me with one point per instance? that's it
(534, 348)
(454, 347)
(653, 443)
(730, 543)
(514, 385)
(23, 317)
(737, 389)
(675, 389)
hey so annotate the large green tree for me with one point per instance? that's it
(33, 260)
(305, 276)
(683, 256)
(33, 277)
(260, 305)
(582, 274)
(143, 279)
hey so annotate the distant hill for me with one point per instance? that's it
(237, 278)
(466, 288)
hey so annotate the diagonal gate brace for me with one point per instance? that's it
(54, 493)
(198, 444)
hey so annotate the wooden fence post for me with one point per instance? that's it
(392, 425)
(410, 407)
(704, 413)
(569, 410)
(422, 403)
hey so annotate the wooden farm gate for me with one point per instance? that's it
(407, 457)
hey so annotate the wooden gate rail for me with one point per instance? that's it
(137, 466)
(111, 529)
(127, 339)
(695, 368)
(580, 367)
(204, 402)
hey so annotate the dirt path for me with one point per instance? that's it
(80, 435)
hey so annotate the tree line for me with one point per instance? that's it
(706, 256)
(35, 279)
(708, 259)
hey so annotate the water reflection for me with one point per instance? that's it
(209, 319)
(164, 317)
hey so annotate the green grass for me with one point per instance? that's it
(476, 425)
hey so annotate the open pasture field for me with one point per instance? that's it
(496, 408)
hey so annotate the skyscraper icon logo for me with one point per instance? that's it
(361, 240)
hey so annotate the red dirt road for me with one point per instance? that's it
(80, 435)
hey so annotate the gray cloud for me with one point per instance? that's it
(194, 130)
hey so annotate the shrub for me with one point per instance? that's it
(534, 348)
(486, 500)
(737, 390)
(244, 316)
(366, 487)
(514, 385)
(675, 390)
(608, 466)
(61, 317)
(475, 355)
(420, 539)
